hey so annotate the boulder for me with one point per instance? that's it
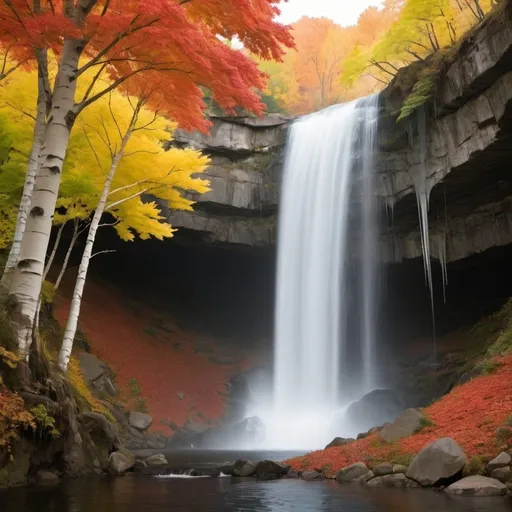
(120, 461)
(502, 474)
(383, 469)
(140, 420)
(398, 468)
(339, 441)
(405, 425)
(156, 460)
(352, 472)
(366, 478)
(292, 475)
(310, 475)
(97, 374)
(437, 461)
(139, 465)
(47, 477)
(269, 469)
(227, 469)
(244, 468)
(392, 480)
(375, 408)
(502, 460)
(477, 485)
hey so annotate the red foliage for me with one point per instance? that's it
(163, 363)
(470, 414)
(173, 44)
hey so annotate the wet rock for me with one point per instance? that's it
(383, 469)
(502, 460)
(392, 480)
(227, 469)
(438, 460)
(502, 474)
(477, 486)
(339, 441)
(352, 472)
(377, 407)
(156, 460)
(405, 425)
(120, 461)
(140, 420)
(311, 475)
(269, 469)
(139, 465)
(366, 478)
(292, 475)
(244, 468)
(47, 477)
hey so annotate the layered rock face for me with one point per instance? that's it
(463, 168)
(246, 156)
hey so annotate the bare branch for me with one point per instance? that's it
(102, 252)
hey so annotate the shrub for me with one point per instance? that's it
(421, 92)
(44, 422)
(475, 466)
(425, 422)
(133, 387)
(13, 417)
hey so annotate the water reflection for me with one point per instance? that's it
(136, 493)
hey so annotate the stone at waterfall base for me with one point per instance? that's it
(405, 425)
(398, 480)
(309, 476)
(439, 460)
(501, 461)
(120, 462)
(477, 486)
(156, 460)
(270, 470)
(244, 468)
(352, 473)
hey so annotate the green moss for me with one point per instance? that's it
(425, 422)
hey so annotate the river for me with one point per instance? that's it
(137, 493)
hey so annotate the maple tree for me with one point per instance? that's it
(172, 44)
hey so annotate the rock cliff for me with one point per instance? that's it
(468, 137)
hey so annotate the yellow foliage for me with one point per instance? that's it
(9, 358)
(82, 393)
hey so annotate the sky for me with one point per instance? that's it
(343, 12)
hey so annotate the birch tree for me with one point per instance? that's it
(174, 40)
(126, 145)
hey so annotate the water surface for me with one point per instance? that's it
(136, 493)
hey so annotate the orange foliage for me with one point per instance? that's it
(470, 414)
(174, 46)
(309, 76)
(13, 417)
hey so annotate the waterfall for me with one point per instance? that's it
(328, 169)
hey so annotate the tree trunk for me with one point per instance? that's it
(28, 188)
(54, 252)
(68, 255)
(26, 283)
(74, 310)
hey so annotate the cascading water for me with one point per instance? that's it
(329, 155)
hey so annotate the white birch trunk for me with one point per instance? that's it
(49, 263)
(66, 258)
(74, 310)
(26, 283)
(28, 188)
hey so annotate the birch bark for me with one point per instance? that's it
(27, 276)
